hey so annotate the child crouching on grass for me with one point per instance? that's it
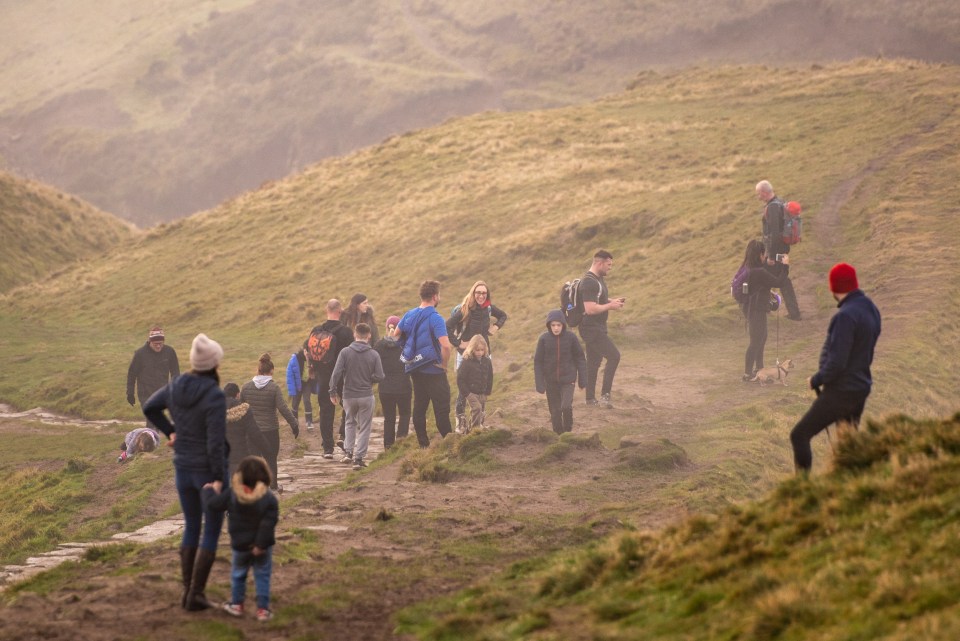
(475, 379)
(253, 514)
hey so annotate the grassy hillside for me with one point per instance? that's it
(662, 175)
(156, 110)
(866, 552)
(46, 231)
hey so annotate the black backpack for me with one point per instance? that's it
(321, 345)
(571, 302)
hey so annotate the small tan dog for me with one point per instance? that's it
(774, 374)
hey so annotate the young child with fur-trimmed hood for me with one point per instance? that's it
(253, 514)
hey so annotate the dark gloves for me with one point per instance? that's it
(541, 391)
(296, 430)
(131, 399)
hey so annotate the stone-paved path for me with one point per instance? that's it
(294, 474)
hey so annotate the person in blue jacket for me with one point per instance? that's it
(843, 380)
(197, 433)
(301, 383)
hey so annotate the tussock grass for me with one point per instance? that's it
(862, 552)
(454, 456)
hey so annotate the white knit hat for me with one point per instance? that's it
(205, 353)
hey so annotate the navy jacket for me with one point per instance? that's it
(558, 360)
(847, 353)
(253, 513)
(199, 412)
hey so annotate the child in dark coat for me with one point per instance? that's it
(254, 512)
(475, 380)
(558, 364)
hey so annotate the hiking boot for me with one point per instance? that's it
(359, 464)
(605, 402)
(264, 615)
(592, 402)
(233, 609)
(327, 455)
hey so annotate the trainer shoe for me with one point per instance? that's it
(233, 609)
(309, 427)
(264, 615)
(605, 401)
(592, 402)
(347, 458)
(327, 455)
(359, 464)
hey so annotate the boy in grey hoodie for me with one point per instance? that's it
(358, 368)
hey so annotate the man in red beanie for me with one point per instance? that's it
(843, 381)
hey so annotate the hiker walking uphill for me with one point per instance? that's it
(558, 363)
(843, 380)
(426, 353)
(243, 435)
(772, 225)
(360, 311)
(301, 383)
(358, 368)
(154, 365)
(593, 328)
(470, 318)
(758, 281)
(266, 399)
(324, 345)
(394, 390)
(197, 434)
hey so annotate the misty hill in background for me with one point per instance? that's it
(45, 231)
(157, 110)
(661, 175)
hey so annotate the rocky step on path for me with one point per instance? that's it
(309, 472)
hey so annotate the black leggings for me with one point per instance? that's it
(831, 406)
(394, 404)
(753, 359)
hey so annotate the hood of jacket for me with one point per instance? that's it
(245, 495)
(262, 380)
(556, 316)
(360, 346)
(236, 410)
(188, 389)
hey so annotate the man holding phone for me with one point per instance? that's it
(772, 227)
(593, 328)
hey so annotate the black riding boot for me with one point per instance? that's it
(196, 599)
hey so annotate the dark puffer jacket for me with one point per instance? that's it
(253, 513)
(199, 412)
(847, 354)
(475, 376)
(243, 435)
(265, 402)
(396, 380)
(558, 359)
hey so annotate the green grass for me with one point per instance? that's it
(861, 553)
(82, 496)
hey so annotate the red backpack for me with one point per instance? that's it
(792, 224)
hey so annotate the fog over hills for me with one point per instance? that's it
(157, 110)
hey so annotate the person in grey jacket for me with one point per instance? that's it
(266, 399)
(358, 368)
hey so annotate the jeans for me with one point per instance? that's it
(262, 568)
(195, 515)
(599, 346)
(560, 403)
(427, 389)
(394, 404)
(359, 413)
(831, 406)
(307, 409)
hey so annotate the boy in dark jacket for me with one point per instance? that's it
(558, 364)
(395, 389)
(254, 512)
(475, 381)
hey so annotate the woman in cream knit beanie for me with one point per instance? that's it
(205, 353)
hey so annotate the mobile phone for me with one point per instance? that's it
(780, 257)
